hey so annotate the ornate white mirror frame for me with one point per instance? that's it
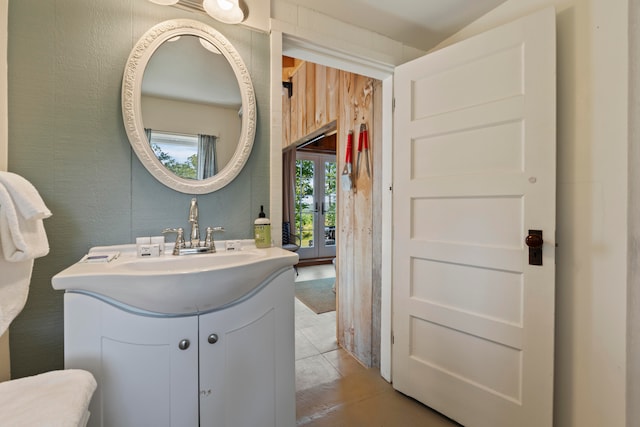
(132, 108)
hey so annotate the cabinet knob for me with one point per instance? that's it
(213, 338)
(184, 344)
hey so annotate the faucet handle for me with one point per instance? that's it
(208, 242)
(179, 237)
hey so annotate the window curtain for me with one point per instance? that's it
(207, 159)
(289, 186)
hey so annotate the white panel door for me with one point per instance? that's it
(474, 171)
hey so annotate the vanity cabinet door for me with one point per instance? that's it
(247, 372)
(147, 374)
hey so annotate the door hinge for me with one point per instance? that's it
(391, 188)
(393, 105)
(393, 339)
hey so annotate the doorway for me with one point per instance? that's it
(353, 88)
(320, 101)
(315, 204)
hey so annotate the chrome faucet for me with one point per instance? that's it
(194, 246)
(193, 220)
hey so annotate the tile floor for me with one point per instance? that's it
(334, 389)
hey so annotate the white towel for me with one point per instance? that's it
(14, 289)
(52, 399)
(22, 231)
(25, 196)
(22, 238)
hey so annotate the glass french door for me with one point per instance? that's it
(315, 209)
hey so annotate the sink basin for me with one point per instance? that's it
(175, 285)
(191, 263)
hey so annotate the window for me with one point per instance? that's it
(177, 152)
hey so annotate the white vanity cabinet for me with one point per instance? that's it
(247, 361)
(228, 368)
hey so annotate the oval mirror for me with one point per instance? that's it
(188, 106)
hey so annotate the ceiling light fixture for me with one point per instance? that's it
(209, 46)
(227, 11)
(164, 2)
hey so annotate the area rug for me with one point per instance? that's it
(317, 294)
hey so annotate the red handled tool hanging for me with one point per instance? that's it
(363, 142)
(359, 155)
(345, 179)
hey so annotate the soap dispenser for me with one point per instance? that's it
(262, 230)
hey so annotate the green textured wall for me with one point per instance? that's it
(66, 59)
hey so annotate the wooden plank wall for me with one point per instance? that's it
(333, 88)
(298, 102)
(313, 105)
(355, 251)
(310, 98)
(286, 118)
(321, 95)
